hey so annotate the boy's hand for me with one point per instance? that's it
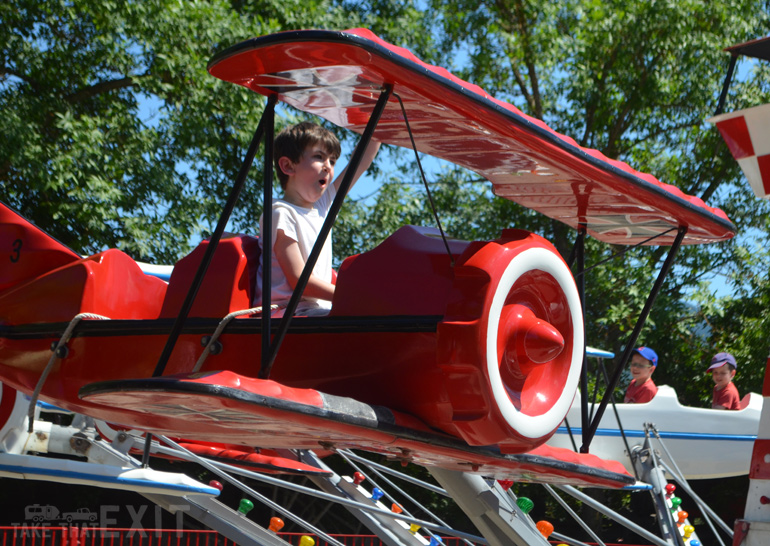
(366, 162)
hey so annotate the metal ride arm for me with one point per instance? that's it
(627, 351)
(355, 160)
(500, 521)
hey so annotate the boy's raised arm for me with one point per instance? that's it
(366, 161)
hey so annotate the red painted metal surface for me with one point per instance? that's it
(736, 135)
(337, 76)
(228, 287)
(448, 375)
(30, 251)
(7, 402)
(760, 460)
(222, 405)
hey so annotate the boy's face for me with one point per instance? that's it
(641, 368)
(309, 177)
(722, 376)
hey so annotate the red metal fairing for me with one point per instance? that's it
(109, 283)
(227, 287)
(511, 346)
(31, 252)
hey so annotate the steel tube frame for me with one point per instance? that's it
(215, 237)
(580, 257)
(726, 85)
(222, 470)
(644, 533)
(267, 235)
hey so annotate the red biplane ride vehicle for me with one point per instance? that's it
(462, 355)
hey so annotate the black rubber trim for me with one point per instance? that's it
(244, 326)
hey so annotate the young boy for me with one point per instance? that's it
(722, 370)
(305, 155)
(642, 389)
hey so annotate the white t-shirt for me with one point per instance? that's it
(302, 225)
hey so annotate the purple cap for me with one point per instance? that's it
(721, 359)
(649, 354)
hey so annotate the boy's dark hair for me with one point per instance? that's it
(731, 367)
(292, 142)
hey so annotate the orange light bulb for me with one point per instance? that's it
(545, 528)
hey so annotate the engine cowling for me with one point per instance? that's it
(511, 345)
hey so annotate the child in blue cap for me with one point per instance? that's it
(722, 370)
(642, 389)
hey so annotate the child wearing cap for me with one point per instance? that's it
(722, 370)
(642, 389)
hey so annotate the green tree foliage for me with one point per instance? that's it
(114, 134)
(635, 81)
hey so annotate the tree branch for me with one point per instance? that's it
(99, 88)
(516, 20)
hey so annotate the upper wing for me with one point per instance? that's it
(338, 75)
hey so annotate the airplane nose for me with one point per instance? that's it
(527, 339)
(543, 342)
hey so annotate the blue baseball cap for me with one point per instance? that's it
(720, 359)
(649, 354)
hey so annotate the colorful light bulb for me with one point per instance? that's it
(245, 506)
(358, 478)
(377, 494)
(413, 528)
(545, 528)
(688, 531)
(306, 541)
(675, 502)
(525, 504)
(276, 524)
(682, 516)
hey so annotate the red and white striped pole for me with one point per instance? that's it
(754, 528)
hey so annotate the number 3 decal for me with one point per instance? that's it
(16, 251)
